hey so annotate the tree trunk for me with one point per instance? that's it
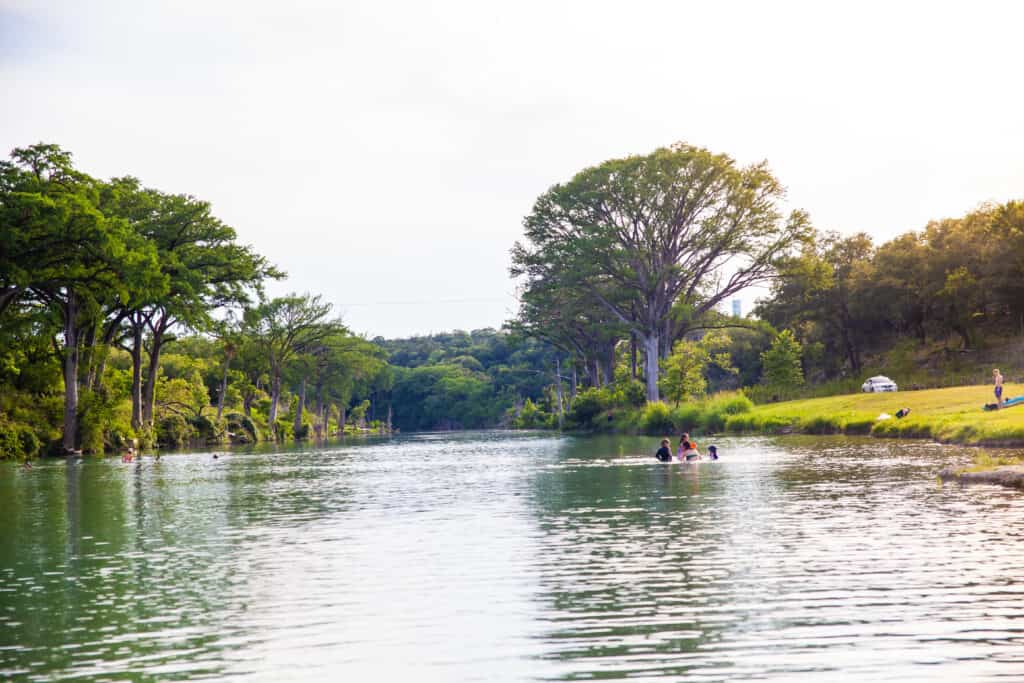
(299, 407)
(573, 387)
(632, 355)
(341, 420)
(108, 339)
(223, 387)
(275, 394)
(70, 372)
(651, 357)
(320, 423)
(90, 375)
(8, 295)
(136, 389)
(851, 352)
(101, 367)
(149, 389)
(390, 415)
(558, 390)
(247, 404)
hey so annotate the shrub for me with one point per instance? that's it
(631, 393)
(733, 404)
(283, 429)
(17, 441)
(242, 428)
(105, 422)
(656, 418)
(174, 430)
(587, 405)
(207, 429)
(532, 417)
(686, 418)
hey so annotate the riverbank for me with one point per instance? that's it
(951, 415)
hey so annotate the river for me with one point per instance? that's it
(512, 557)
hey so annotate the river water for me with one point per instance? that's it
(511, 557)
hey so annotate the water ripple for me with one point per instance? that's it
(513, 557)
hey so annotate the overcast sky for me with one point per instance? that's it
(384, 153)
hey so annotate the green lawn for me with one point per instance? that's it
(954, 414)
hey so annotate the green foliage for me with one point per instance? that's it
(782, 369)
(684, 372)
(586, 407)
(242, 428)
(532, 417)
(174, 431)
(105, 422)
(444, 397)
(630, 393)
(667, 265)
(656, 418)
(284, 430)
(17, 441)
(207, 429)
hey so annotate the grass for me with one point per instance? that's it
(951, 415)
(986, 460)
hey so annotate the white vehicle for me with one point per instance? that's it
(879, 383)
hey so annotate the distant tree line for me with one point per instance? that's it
(465, 380)
(845, 297)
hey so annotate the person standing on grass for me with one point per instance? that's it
(998, 378)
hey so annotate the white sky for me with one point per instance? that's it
(384, 153)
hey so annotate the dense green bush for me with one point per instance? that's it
(686, 418)
(587, 405)
(532, 416)
(242, 428)
(631, 393)
(17, 441)
(656, 418)
(283, 429)
(207, 429)
(105, 421)
(174, 431)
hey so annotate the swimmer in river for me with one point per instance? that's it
(687, 449)
(664, 454)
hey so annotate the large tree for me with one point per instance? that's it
(205, 267)
(60, 249)
(678, 225)
(282, 329)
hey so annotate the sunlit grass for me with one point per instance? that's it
(954, 414)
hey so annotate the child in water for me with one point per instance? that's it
(713, 452)
(664, 454)
(687, 449)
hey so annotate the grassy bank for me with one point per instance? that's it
(951, 415)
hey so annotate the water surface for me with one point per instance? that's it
(494, 556)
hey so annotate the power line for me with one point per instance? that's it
(422, 302)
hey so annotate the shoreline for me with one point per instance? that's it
(1010, 476)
